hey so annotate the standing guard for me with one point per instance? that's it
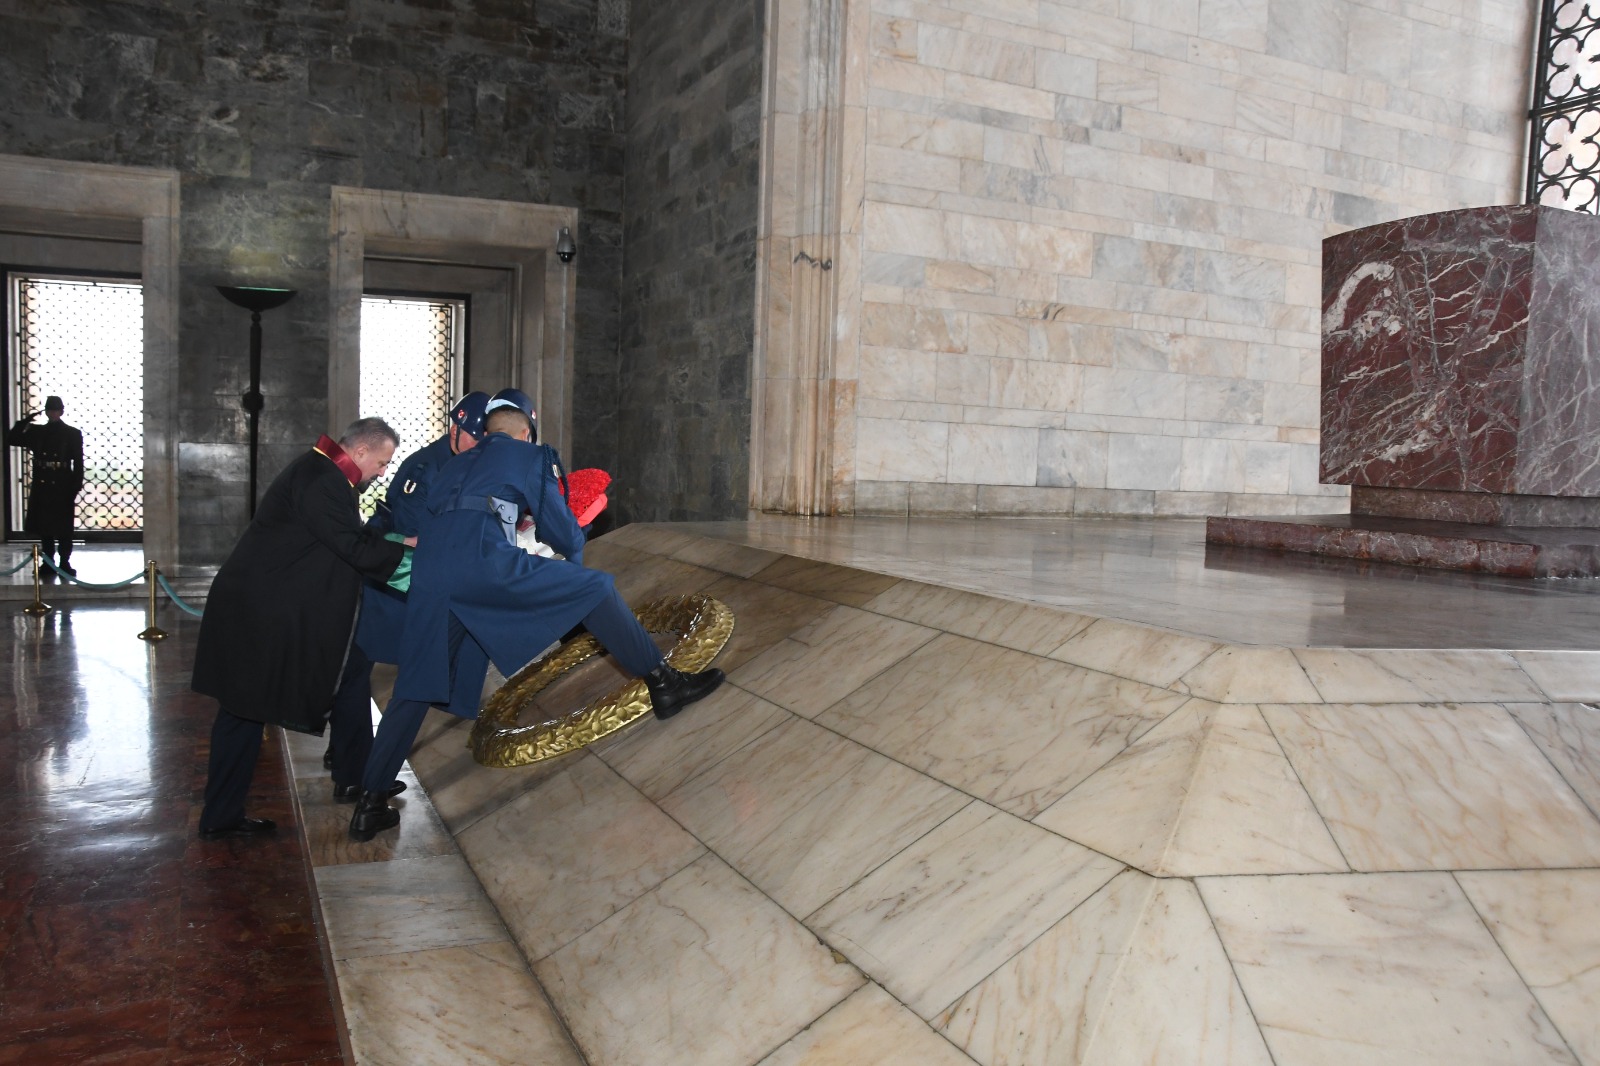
(57, 479)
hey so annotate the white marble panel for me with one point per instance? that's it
(1141, 461)
(1345, 675)
(819, 665)
(1548, 922)
(996, 877)
(1380, 969)
(1569, 736)
(1564, 675)
(869, 1027)
(1005, 622)
(1250, 675)
(1208, 791)
(569, 854)
(725, 557)
(686, 975)
(1013, 729)
(657, 757)
(482, 1005)
(993, 455)
(382, 908)
(1134, 975)
(904, 229)
(1434, 787)
(1153, 656)
(901, 450)
(1070, 458)
(804, 813)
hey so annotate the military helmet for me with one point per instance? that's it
(469, 414)
(521, 401)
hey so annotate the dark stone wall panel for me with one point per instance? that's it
(262, 106)
(689, 230)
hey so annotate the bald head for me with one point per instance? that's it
(510, 421)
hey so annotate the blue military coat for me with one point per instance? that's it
(383, 609)
(474, 593)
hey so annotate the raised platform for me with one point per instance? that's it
(927, 823)
(1508, 551)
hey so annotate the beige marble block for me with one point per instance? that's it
(869, 1027)
(804, 813)
(1548, 922)
(1564, 675)
(725, 557)
(1250, 675)
(574, 851)
(1153, 656)
(1381, 969)
(1021, 626)
(1359, 675)
(763, 615)
(685, 976)
(1208, 791)
(1013, 729)
(1569, 736)
(384, 908)
(1134, 975)
(657, 757)
(815, 667)
(1435, 787)
(840, 584)
(477, 1004)
(998, 878)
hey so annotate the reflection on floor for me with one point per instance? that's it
(123, 937)
(930, 825)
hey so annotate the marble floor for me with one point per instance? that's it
(1001, 793)
(125, 939)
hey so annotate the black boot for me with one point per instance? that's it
(372, 816)
(672, 690)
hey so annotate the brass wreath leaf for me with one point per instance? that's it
(703, 626)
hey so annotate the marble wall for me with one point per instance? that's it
(681, 413)
(1079, 262)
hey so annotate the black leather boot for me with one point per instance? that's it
(672, 690)
(372, 816)
(351, 793)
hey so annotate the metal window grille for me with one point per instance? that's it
(83, 339)
(410, 361)
(1563, 156)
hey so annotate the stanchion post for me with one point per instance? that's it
(38, 608)
(151, 633)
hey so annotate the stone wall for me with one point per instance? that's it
(262, 107)
(1085, 246)
(693, 158)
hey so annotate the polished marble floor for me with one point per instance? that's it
(962, 801)
(125, 939)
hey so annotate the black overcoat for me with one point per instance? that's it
(278, 620)
(57, 475)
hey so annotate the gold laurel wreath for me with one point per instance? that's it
(703, 626)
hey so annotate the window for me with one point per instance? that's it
(411, 355)
(1563, 157)
(82, 338)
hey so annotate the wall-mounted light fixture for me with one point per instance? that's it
(255, 300)
(566, 247)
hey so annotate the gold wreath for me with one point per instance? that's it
(703, 626)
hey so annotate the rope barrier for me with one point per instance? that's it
(174, 597)
(19, 566)
(63, 575)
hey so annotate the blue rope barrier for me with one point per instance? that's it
(25, 561)
(63, 575)
(173, 596)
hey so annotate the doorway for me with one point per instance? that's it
(80, 336)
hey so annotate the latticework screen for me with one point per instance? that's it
(409, 363)
(83, 340)
(1563, 157)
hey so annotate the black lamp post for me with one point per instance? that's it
(254, 300)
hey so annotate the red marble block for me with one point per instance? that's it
(1461, 352)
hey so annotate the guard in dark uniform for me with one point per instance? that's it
(383, 609)
(477, 597)
(57, 479)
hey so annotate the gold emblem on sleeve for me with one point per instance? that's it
(703, 626)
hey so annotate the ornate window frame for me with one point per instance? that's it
(1566, 107)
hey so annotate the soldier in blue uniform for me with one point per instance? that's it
(476, 595)
(383, 609)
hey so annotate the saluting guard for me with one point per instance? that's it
(56, 481)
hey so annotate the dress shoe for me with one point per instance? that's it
(70, 571)
(327, 759)
(351, 793)
(672, 690)
(244, 827)
(372, 816)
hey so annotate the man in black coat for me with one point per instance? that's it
(279, 617)
(57, 478)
